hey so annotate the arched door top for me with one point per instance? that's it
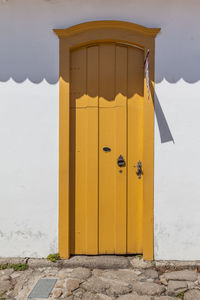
(95, 25)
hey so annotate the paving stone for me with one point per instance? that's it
(148, 288)
(118, 288)
(25, 281)
(60, 284)
(125, 275)
(5, 286)
(5, 277)
(134, 297)
(74, 298)
(138, 272)
(16, 274)
(97, 272)
(57, 293)
(72, 284)
(141, 264)
(163, 280)
(95, 284)
(65, 273)
(102, 297)
(79, 293)
(176, 287)
(81, 273)
(6, 272)
(164, 298)
(197, 282)
(97, 262)
(67, 295)
(178, 264)
(181, 275)
(90, 296)
(192, 295)
(191, 285)
(150, 280)
(41, 262)
(49, 272)
(68, 298)
(149, 273)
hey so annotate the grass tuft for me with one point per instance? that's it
(15, 267)
(180, 295)
(53, 257)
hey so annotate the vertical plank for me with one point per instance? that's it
(92, 140)
(112, 133)
(148, 208)
(84, 150)
(78, 150)
(107, 160)
(64, 133)
(135, 149)
(121, 148)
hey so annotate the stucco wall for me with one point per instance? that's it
(29, 119)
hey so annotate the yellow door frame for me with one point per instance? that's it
(85, 34)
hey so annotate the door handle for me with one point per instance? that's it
(121, 161)
(139, 171)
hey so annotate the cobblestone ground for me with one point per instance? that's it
(107, 279)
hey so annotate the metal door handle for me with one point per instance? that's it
(139, 171)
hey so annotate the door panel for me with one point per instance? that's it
(84, 143)
(112, 133)
(106, 111)
(135, 148)
(121, 149)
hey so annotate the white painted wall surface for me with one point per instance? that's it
(28, 168)
(29, 119)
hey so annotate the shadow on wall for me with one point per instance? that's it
(29, 48)
(164, 130)
(165, 133)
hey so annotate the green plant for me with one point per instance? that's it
(180, 295)
(4, 266)
(16, 267)
(20, 267)
(53, 257)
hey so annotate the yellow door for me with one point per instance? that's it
(106, 115)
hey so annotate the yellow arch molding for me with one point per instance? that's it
(108, 25)
(83, 34)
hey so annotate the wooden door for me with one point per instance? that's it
(106, 113)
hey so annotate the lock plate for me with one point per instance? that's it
(121, 161)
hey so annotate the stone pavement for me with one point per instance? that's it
(104, 278)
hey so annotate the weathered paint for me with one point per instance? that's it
(29, 119)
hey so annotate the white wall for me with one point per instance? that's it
(28, 168)
(177, 192)
(29, 119)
